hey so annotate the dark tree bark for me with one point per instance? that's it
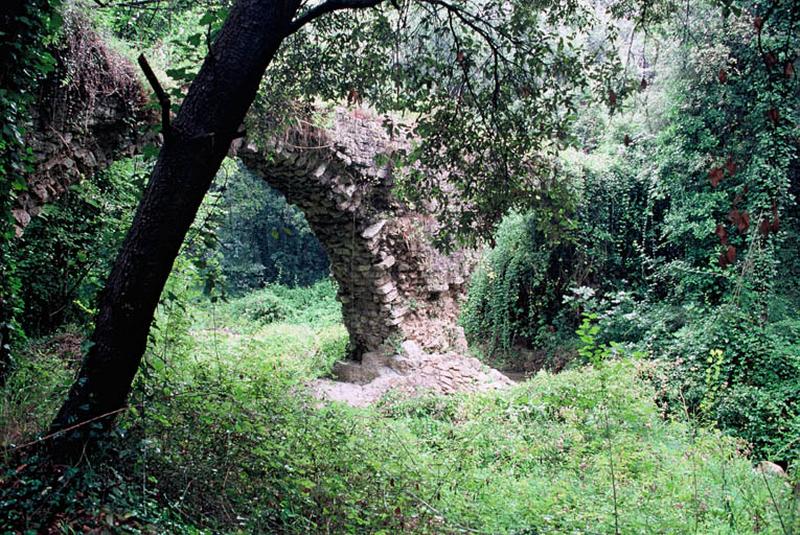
(192, 153)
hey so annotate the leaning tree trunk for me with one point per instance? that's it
(193, 150)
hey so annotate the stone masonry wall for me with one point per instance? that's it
(90, 111)
(393, 285)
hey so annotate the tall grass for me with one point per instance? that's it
(223, 437)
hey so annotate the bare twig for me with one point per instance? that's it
(133, 3)
(70, 428)
(329, 7)
(163, 98)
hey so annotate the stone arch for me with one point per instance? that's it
(393, 285)
(400, 296)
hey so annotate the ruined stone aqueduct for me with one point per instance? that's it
(395, 288)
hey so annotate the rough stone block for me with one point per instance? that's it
(386, 263)
(385, 288)
(371, 231)
(399, 312)
(412, 350)
(391, 296)
(354, 372)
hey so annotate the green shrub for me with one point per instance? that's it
(754, 395)
(533, 458)
(34, 389)
(314, 304)
(512, 294)
(264, 306)
(222, 437)
(66, 252)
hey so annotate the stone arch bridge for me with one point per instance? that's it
(400, 296)
(393, 285)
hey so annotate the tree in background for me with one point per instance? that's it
(265, 240)
(726, 257)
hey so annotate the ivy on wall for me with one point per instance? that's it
(28, 28)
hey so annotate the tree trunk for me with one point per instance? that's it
(192, 153)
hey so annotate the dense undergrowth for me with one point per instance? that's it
(676, 224)
(222, 436)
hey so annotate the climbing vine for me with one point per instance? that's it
(28, 30)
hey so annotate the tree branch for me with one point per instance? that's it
(472, 21)
(329, 6)
(131, 3)
(163, 98)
